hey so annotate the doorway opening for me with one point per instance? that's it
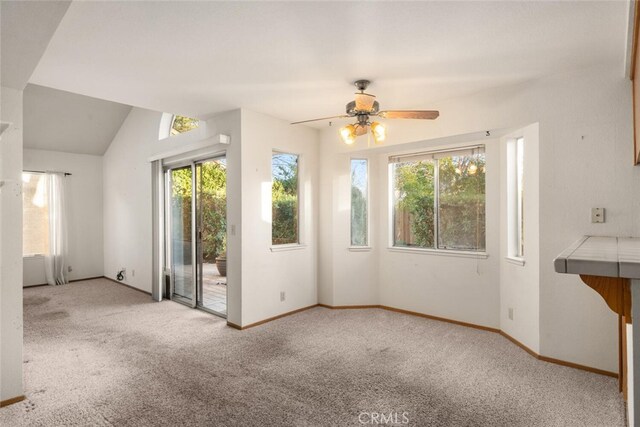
(196, 234)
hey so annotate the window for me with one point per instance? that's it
(35, 227)
(182, 124)
(171, 125)
(359, 202)
(439, 200)
(515, 196)
(284, 193)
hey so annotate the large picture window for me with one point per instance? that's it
(35, 210)
(359, 202)
(284, 192)
(439, 200)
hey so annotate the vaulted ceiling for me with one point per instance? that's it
(296, 60)
(25, 30)
(62, 121)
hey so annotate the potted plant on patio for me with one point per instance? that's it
(221, 263)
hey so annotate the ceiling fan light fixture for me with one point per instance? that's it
(379, 132)
(361, 129)
(363, 108)
(348, 134)
(364, 101)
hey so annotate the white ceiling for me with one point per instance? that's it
(25, 30)
(296, 60)
(62, 121)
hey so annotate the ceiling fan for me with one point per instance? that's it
(363, 108)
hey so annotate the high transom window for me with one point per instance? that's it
(173, 124)
(182, 124)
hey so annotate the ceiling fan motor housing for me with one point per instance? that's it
(362, 84)
(351, 109)
(364, 106)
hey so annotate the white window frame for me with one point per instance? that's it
(300, 243)
(166, 125)
(367, 245)
(449, 151)
(515, 204)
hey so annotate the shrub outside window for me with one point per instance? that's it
(284, 193)
(359, 202)
(182, 124)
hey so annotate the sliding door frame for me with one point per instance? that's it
(191, 302)
(199, 250)
(162, 220)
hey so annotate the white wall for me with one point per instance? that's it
(520, 284)
(584, 161)
(11, 245)
(453, 287)
(128, 230)
(33, 271)
(256, 275)
(420, 282)
(585, 138)
(85, 213)
(266, 273)
(346, 277)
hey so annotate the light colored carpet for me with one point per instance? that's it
(97, 353)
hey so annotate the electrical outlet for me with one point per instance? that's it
(597, 215)
(510, 313)
(69, 269)
(282, 296)
(233, 230)
(133, 273)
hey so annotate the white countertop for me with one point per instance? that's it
(601, 256)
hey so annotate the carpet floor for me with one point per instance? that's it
(97, 353)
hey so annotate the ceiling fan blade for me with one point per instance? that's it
(409, 114)
(344, 116)
(364, 101)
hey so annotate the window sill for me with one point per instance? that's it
(33, 256)
(359, 248)
(515, 260)
(291, 247)
(441, 252)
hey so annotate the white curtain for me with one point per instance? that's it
(56, 260)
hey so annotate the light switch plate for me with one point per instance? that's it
(597, 215)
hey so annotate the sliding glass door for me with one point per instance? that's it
(196, 229)
(180, 231)
(211, 223)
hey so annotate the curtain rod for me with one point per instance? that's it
(65, 173)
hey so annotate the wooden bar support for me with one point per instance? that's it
(616, 292)
(610, 265)
(622, 356)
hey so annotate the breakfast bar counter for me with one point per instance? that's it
(611, 267)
